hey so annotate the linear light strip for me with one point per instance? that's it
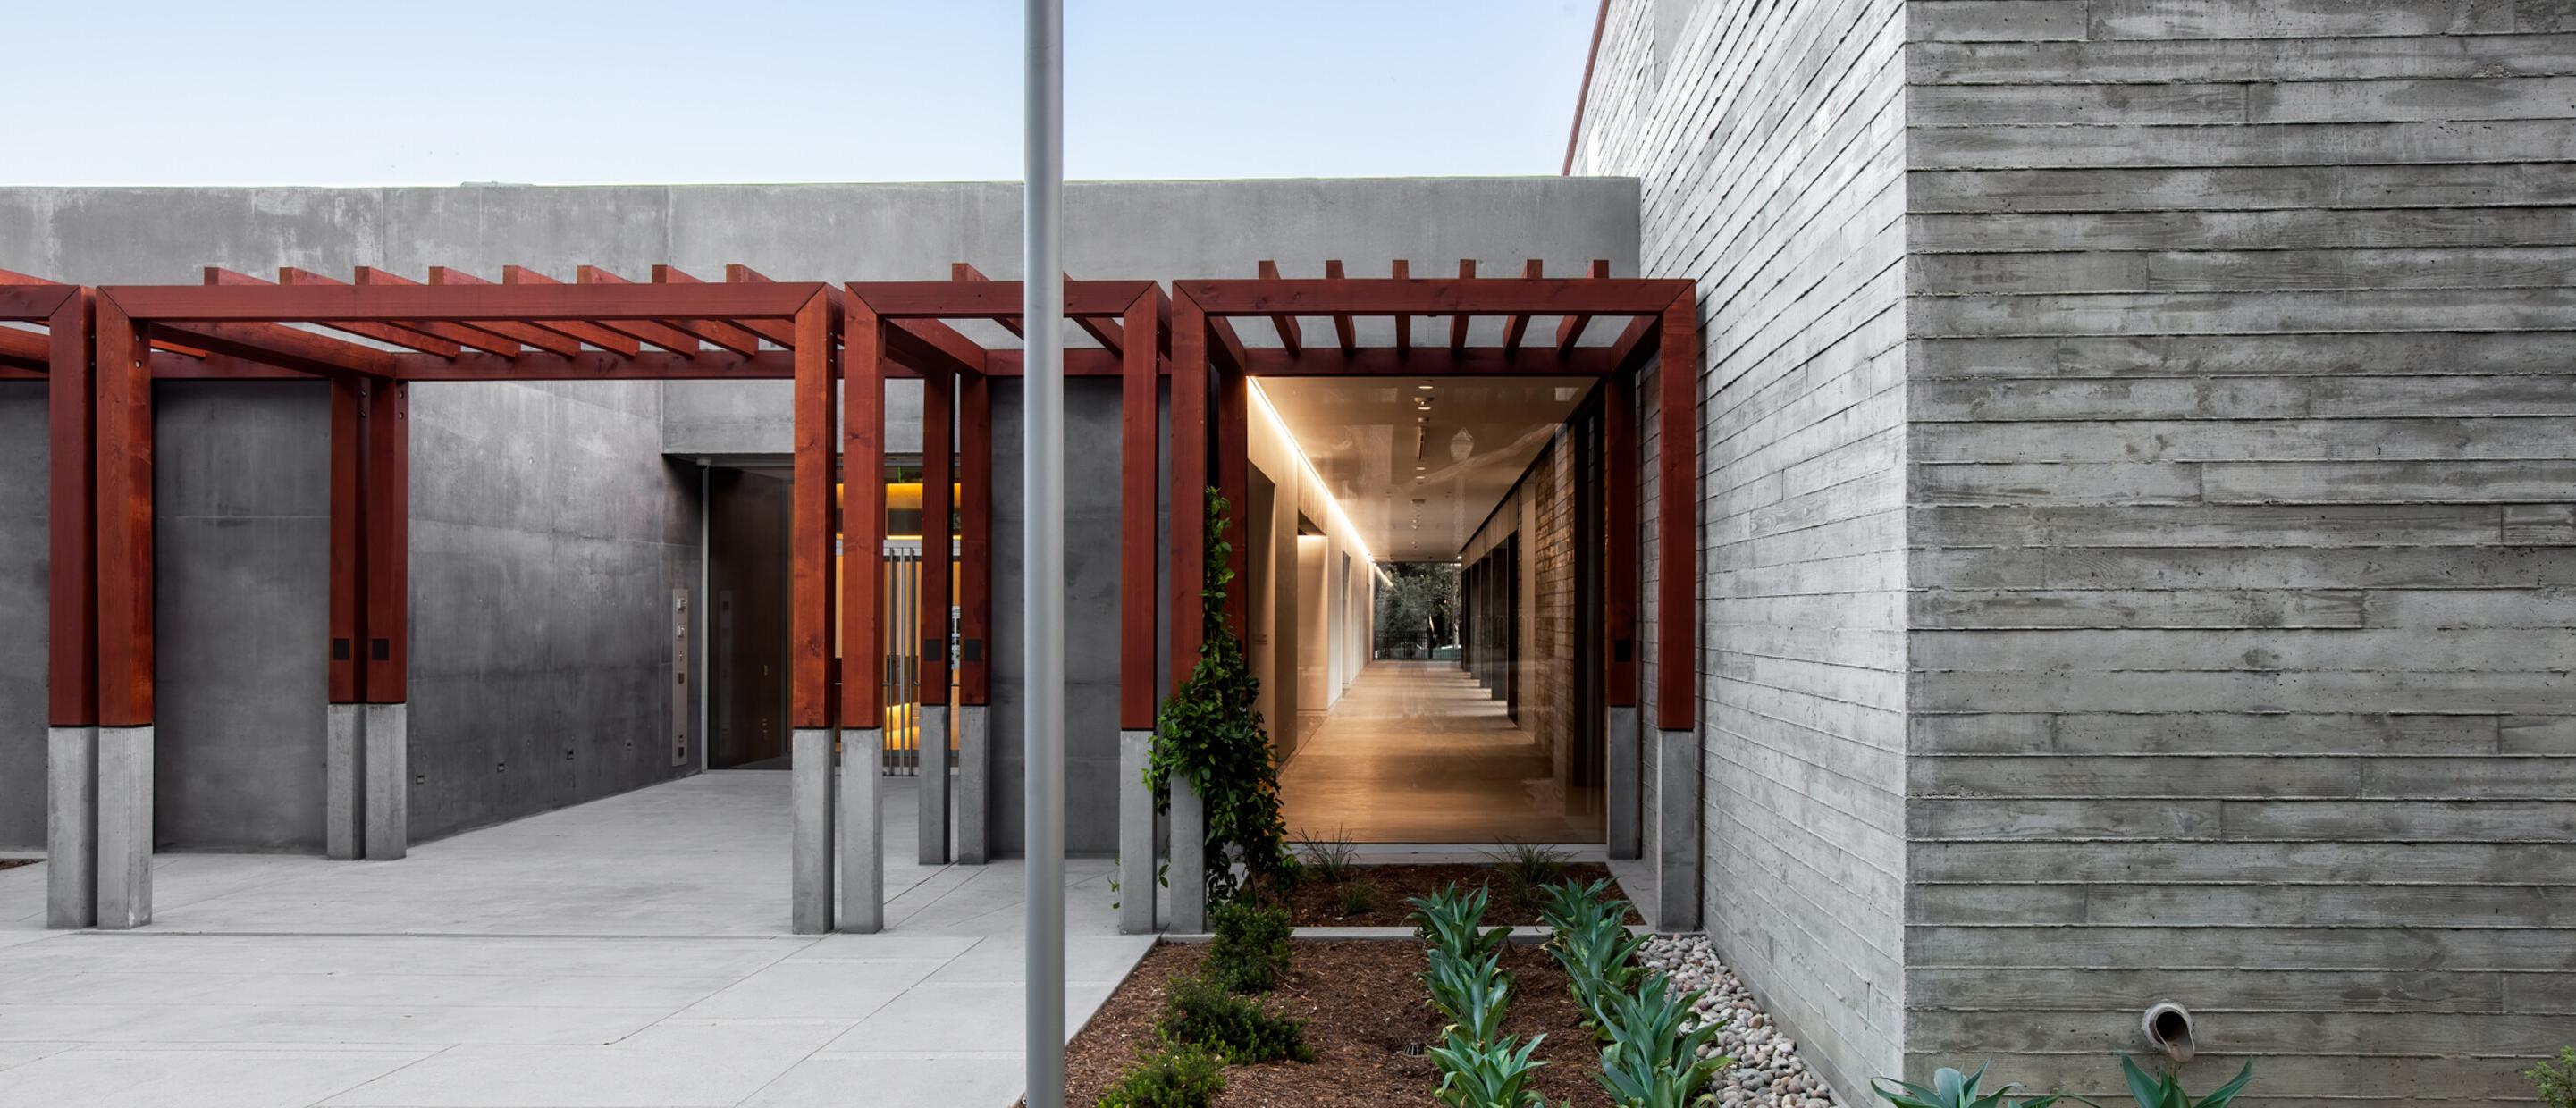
(1291, 439)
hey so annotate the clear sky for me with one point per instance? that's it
(366, 92)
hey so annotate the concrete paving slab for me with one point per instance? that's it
(592, 958)
(102, 1078)
(848, 990)
(676, 1065)
(835, 1081)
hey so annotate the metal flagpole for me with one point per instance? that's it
(1042, 549)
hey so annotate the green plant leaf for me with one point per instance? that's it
(2227, 1092)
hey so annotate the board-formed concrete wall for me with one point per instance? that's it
(2236, 445)
(1766, 138)
(2243, 378)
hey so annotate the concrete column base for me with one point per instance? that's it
(124, 827)
(1189, 859)
(811, 777)
(861, 851)
(1677, 820)
(71, 827)
(933, 808)
(1135, 835)
(974, 785)
(1619, 782)
(386, 808)
(344, 783)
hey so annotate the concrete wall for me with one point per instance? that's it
(1767, 142)
(23, 561)
(2220, 407)
(547, 531)
(2244, 448)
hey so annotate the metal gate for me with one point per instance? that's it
(901, 689)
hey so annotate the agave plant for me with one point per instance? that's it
(1455, 922)
(1472, 993)
(1488, 1075)
(1952, 1089)
(1652, 1024)
(2166, 1091)
(1566, 905)
(1599, 961)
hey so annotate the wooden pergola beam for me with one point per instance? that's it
(1467, 296)
(575, 331)
(1569, 330)
(676, 339)
(332, 304)
(445, 339)
(1402, 270)
(964, 271)
(1284, 323)
(506, 337)
(1343, 331)
(1458, 322)
(739, 338)
(1517, 324)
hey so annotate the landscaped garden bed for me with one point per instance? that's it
(1367, 1020)
(1367, 895)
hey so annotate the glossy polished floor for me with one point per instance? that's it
(1418, 752)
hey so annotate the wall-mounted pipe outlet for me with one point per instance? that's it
(2167, 1026)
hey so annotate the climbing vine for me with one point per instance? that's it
(1210, 734)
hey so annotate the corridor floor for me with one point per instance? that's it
(1418, 752)
(621, 954)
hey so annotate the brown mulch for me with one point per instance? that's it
(1314, 903)
(13, 863)
(1364, 1009)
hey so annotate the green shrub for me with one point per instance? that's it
(1236, 1028)
(1952, 1089)
(1455, 922)
(1358, 897)
(1471, 993)
(2555, 1084)
(1250, 951)
(1180, 1076)
(1493, 1075)
(1650, 1028)
(2166, 1091)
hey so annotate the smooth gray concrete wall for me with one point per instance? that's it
(2244, 444)
(1091, 625)
(547, 530)
(241, 493)
(547, 535)
(24, 555)
(1767, 143)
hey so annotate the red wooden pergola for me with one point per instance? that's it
(1209, 404)
(374, 334)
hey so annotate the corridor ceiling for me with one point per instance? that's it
(1418, 463)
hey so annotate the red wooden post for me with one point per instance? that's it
(810, 577)
(1139, 426)
(347, 620)
(1189, 480)
(937, 480)
(1619, 463)
(1676, 526)
(124, 519)
(862, 520)
(975, 540)
(1233, 466)
(72, 585)
(388, 544)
